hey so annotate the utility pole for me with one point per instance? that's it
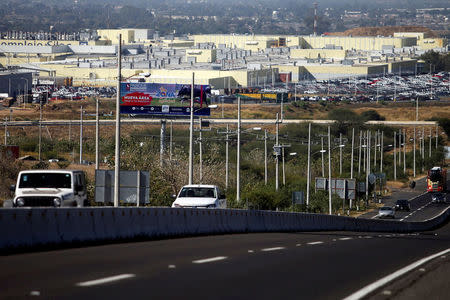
(284, 171)
(200, 140)
(375, 145)
(365, 152)
(414, 153)
(395, 158)
(171, 140)
(359, 155)
(351, 160)
(227, 142)
(40, 129)
(423, 147)
(191, 134)
(81, 135)
(367, 161)
(6, 131)
(330, 211)
(97, 125)
(399, 147)
(117, 147)
(404, 151)
(308, 178)
(162, 144)
(277, 156)
(238, 159)
(323, 162)
(381, 152)
(437, 135)
(429, 152)
(265, 156)
(340, 153)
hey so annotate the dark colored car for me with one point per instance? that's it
(438, 198)
(402, 204)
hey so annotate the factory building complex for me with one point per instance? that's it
(220, 60)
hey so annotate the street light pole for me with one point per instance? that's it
(97, 125)
(381, 151)
(227, 142)
(284, 172)
(330, 211)
(360, 150)
(191, 134)
(395, 158)
(404, 151)
(117, 146)
(276, 156)
(238, 159)
(81, 134)
(414, 153)
(265, 156)
(429, 152)
(323, 163)
(340, 153)
(200, 151)
(308, 178)
(351, 160)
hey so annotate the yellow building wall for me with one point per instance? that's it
(431, 43)
(358, 43)
(113, 35)
(202, 55)
(314, 53)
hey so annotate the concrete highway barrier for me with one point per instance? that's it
(41, 227)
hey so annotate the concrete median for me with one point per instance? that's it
(37, 227)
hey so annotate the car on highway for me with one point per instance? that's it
(438, 198)
(200, 196)
(402, 204)
(386, 212)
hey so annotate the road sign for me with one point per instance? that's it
(298, 197)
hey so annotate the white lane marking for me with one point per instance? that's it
(374, 217)
(105, 280)
(250, 251)
(208, 260)
(298, 245)
(381, 282)
(346, 239)
(172, 266)
(315, 243)
(35, 293)
(272, 249)
(368, 237)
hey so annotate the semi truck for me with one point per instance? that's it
(437, 180)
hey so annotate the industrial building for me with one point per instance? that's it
(223, 61)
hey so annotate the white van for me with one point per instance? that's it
(55, 188)
(200, 196)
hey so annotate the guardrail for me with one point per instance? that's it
(37, 227)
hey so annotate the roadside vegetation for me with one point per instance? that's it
(140, 151)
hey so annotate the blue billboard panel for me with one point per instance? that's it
(163, 99)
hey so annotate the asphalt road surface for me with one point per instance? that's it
(420, 202)
(329, 265)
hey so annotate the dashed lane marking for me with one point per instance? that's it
(315, 243)
(272, 249)
(105, 280)
(345, 239)
(208, 260)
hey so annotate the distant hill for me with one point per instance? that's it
(385, 31)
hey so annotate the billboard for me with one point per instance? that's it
(163, 99)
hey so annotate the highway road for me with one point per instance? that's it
(314, 265)
(420, 201)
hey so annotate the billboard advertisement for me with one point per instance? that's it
(163, 99)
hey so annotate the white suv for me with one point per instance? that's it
(50, 188)
(200, 196)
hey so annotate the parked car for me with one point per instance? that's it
(200, 196)
(438, 198)
(386, 212)
(402, 204)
